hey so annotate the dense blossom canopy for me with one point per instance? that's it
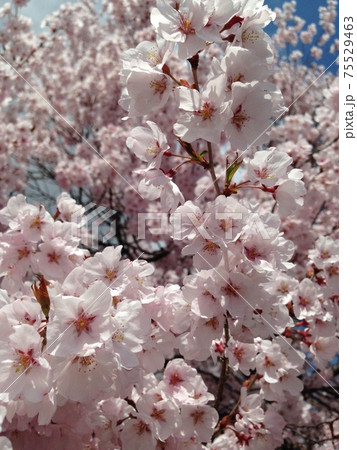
(208, 318)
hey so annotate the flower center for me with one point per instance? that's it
(283, 288)
(325, 254)
(230, 291)
(250, 36)
(142, 428)
(268, 362)
(239, 118)
(23, 361)
(251, 253)
(159, 85)
(118, 336)
(211, 247)
(333, 271)
(303, 301)
(208, 294)
(86, 363)
(197, 416)
(185, 24)
(22, 253)
(53, 257)
(261, 173)
(153, 56)
(213, 323)
(225, 224)
(110, 274)
(206, 112)
(158, 414)
(36, 223)
(238, 353)
(175, 379)
(154, 150)
(83, 323)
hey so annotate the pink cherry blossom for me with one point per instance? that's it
(147, 89)
(148, 144)
(207, 112)
(251, 107)
(289, 194)
(181, 25)
(199, 420)
(80, 323)
(92, 372)
(240, 65)
(241, 356)
(158, 185)
(268, 167)
(106, 266)
(24, 372)
(306, 300)
(217, 327)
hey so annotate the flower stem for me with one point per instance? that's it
(178, 156)
(249, 385)
(174, 79)
(173, 171)
(211, 168)
(249, 186)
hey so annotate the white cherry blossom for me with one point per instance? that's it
(80, 324)
(24, 372)
(181, 24)
(207, 113)
(148, 144)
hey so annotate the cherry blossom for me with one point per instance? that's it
(306, 300)
(289, 194)
(106, 266)
(241, 356)
(162, 414)
(240, 65)
(208, 113)
(80, 323)
(218, 328)
(132, 328)
(268, 167)
(24, 372)
(199, 420)
(147, 89)
(94, 369)
(157, 185)
(252, 107)
(148, 145)
(181, 25)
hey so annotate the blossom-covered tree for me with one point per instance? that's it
(209, 319)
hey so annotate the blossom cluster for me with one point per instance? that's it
(224, 337)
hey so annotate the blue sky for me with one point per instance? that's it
(309, 11)
(39, 9)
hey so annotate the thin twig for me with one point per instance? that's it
(211, 168)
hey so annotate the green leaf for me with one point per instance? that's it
(232, 169)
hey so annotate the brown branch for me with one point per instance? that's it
(194, 66)
(224, 369)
